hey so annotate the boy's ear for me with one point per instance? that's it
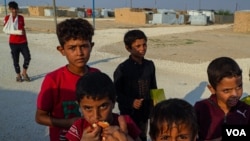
(92, 44)
(60, 49)
(127, 48)
(211, 89)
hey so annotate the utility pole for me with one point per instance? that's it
(199, 4)
(5, 5)
(130, 3)
(236, 7)
(155, 4)
(55, 13)
(93, 13)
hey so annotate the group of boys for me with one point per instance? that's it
(76, 100)
(94, 91)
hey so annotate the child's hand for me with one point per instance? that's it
(116, 133)
(137, 103)
(117, 136)
(123, 124)
(91, 133)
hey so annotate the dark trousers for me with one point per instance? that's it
(143, 125)
(16, 49)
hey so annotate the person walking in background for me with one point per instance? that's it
(133, 80)
(56, 102)
(223, 107)
(173, 120)
(96, 97)
(18, 41)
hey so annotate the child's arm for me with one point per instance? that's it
(153, 77)
(42, 117)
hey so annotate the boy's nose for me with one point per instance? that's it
(79, 51)
(96, 115)
(234, 92)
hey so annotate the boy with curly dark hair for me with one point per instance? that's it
(56, 102)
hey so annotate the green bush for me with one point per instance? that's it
(223, 12)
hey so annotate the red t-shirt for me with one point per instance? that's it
(17, 39)
(76, 130)
(57, 96)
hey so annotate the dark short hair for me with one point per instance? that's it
(133, 35)
(74, 29)
(13, 4)
(220, 68)
(96, 85)
(173, 111)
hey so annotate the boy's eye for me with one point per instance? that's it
(182, 137)
(86, 108)
(85, 46)
(226, 91)
(238, 88)
(178, 138)
(104, 106)
(229, 90)
(165, 137)
(139, 46)
(72, 48)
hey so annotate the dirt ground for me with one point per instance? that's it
(193, 47)
(47, 25)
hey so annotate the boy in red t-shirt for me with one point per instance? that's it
(56, 102)
(18, 42)
(96, 96)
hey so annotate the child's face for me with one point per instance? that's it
(228, 91)
(77, 53)
(96, 110)
(13, 11)
(176, 133)
(138, 48)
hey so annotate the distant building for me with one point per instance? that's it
(133, 15)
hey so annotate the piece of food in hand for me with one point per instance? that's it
(103, 124)
(94, 125)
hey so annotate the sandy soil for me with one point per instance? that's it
(193, 47)
(180, 47)
(181, 55)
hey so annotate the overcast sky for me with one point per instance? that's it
(231, 5)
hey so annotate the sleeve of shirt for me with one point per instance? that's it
(73, 133)
(122, 99)
(45, 96)
(153, 77)
(21, 23)
(6, 18)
